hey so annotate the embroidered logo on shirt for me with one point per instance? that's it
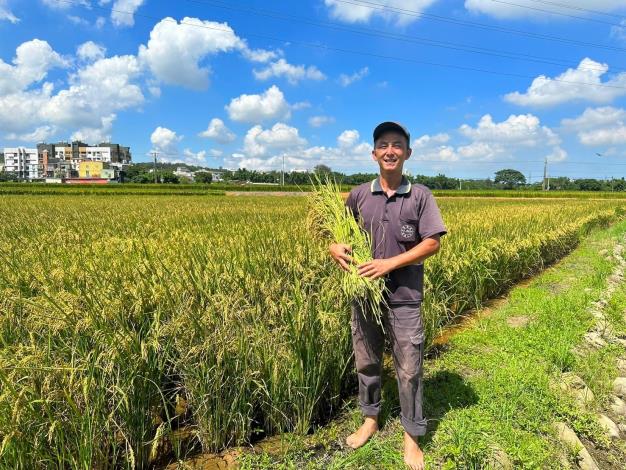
(407, 231)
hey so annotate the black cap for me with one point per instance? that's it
(392, 126)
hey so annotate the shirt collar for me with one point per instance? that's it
(404, 188)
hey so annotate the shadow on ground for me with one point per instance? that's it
(444, 391)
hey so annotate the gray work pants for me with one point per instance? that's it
(404, 326)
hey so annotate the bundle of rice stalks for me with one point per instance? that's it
(330, 218)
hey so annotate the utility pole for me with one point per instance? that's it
(460, 184)
(154, 155)
(282, 173)
(546, 180)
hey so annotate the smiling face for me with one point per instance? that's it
(391, 151)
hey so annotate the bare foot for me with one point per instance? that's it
(362, 435)
(413, 455)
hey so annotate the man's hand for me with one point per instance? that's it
(339, 252)
(376, 268)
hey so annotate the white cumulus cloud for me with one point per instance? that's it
(266, 149)
(581, 84)
(599, 127)
(97, 91)
(510, 10)
(347, 80)
(557, 154)
(64, 5)
(87, 107)
(175, 50)
(269, 105)
(33, 59)
(390, 10)
(263, 142)
(260, 55)
(516, 136)
(6, 14)
(430, 140)
(593, 118)
(348, 138)
(123, 12)
(98, 134)
(165, 141)
(319, 121)
(524, 129)
(40, 134)
(90, 51)
(293, 73)
(218, 132)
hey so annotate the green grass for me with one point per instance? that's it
(494, 388)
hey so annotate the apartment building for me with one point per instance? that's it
(23, 163)
(62, 159)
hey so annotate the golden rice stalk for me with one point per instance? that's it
(330, 218)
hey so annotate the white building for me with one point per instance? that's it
(98, 154)
(23, 163)
(184, 173)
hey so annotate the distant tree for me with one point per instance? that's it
(168, 177)
(561, 183)
(203, 177)
(589, 184)
(509, 179)
(619, 185)
(322, 170)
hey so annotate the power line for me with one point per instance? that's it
(396, 36)
(356, 52)
(552, 12)
(573, 7)
(474, 24)
(509, 162)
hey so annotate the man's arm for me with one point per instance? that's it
(380, 267)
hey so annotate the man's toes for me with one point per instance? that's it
(354, 441)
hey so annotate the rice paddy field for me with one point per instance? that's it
(125, 319)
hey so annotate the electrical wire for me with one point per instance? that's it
(398, 37)
(573, 7)
(474, 24)
(552, 12)
(357, 52)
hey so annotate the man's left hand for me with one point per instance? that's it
(375, 268)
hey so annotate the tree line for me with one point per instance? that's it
(503, 179)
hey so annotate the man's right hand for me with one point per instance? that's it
(339, 252)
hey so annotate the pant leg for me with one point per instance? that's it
(406, 333)
(368, 342)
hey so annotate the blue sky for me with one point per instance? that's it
(481, 84)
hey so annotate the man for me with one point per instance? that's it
(405, 225)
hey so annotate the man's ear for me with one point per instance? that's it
(374, 155)
(409, 151)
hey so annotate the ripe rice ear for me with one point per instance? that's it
(329, 217)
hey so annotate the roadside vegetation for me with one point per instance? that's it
(129, 321)
(222, 188)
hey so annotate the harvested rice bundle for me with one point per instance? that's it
(330, 218)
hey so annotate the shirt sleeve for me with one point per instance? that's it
(352, 205)
(429, 218)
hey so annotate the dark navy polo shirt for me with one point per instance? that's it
(396, 224)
